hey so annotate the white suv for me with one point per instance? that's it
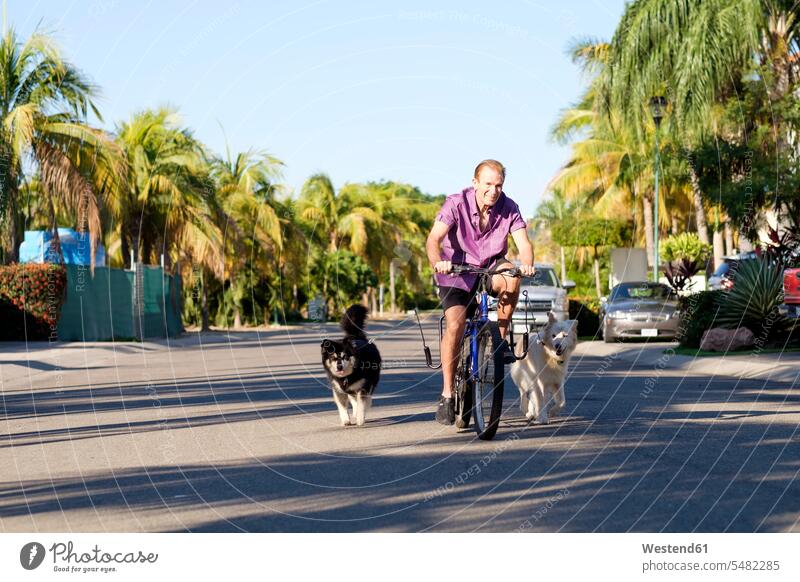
(545, 293)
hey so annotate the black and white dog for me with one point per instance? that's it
(353, 366)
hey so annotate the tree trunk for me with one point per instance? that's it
(237, 317)
(392, 276)
(675, 227)
(598, 286)
(14, 242)
(728, 238)
(16, 227)
(719, 249)
(699, 211)
(147, 250)
(373, 300)
(647, 207)
(124, 246)
(563, 265)
(325, 299)
(204, 303)
(55, 253)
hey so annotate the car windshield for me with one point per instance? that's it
(640, 291)
(544, 276)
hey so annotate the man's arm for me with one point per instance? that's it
(434, 244)
(525, 248)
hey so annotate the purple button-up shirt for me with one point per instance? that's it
(465, 244)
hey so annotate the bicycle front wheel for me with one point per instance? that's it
(488, 386)
(462, 386)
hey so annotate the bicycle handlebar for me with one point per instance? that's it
(511, 271)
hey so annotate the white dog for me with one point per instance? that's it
(540, 376)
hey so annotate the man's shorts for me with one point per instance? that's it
(450, 296)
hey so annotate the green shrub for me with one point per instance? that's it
(698, 313)
(584, 279)
(684, 246)
(31, 297)
(754, 299)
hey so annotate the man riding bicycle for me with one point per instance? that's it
(472, 228)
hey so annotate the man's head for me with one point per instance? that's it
(488, 182)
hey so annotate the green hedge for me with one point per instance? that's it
(31, 297)
(585, 310)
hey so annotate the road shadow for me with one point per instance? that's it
(634, 451)
(507, 485)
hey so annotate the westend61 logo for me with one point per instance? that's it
(66, 559)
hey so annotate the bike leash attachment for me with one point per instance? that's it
(525, 334)
(527, 327)
(428, 357)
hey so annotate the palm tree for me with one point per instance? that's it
(552, 210)
(382, 222)
(692, 47)
(401, 216)
(611, 163)
(44, 105)
(608, 168)
(333, 218)
(245, 184)
(695, 52)
(296, 248)
(167, 204)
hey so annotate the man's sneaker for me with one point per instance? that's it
(508, 355)
(445, 412)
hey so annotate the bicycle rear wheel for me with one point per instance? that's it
(488, 387)
(462, 386)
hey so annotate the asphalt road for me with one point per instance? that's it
(238, 432)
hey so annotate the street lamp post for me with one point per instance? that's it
(657, 107)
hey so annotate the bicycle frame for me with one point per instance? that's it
(472, 330)
(474, 324)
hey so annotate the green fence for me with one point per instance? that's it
(121, 305)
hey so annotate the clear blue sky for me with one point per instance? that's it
(360, 90)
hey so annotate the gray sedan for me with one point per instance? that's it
(639, 310)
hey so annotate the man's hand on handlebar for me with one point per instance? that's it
(443, 267)
(527, 270)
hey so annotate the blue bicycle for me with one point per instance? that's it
(480, 368)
